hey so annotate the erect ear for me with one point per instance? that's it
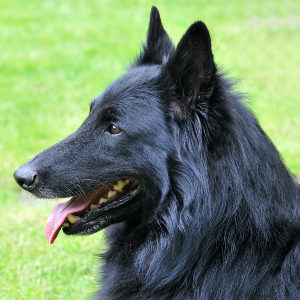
(158, 45)
(191, 69)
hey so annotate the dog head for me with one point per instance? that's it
(116, 166)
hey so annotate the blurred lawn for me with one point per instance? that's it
(56, 56)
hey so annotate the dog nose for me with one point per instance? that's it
(25, 178)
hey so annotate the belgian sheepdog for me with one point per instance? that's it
(196, 198)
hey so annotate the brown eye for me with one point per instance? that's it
(113, 129)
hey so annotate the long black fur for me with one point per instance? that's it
(220, 215)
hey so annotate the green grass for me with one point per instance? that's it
(56, 56)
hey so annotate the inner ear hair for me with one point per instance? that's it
(191, 69)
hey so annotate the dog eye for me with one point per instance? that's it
(114, 129)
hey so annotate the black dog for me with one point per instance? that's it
(202, 205)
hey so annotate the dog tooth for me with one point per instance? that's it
(93, 206)
(102, 200)
(127, 181)
(73, 219)
(65, 225)
(111, 194)
(120, 184)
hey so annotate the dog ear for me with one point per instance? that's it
(158, 45)
(190, 70)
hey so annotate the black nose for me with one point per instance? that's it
(26, 178)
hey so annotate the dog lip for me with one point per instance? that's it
(71, 212)
(114, 204)
(92, 216)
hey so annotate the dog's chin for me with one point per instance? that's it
(112, 203)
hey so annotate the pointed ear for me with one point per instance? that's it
(191, 69)
(158, 45)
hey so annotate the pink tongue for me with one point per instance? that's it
(60, 212)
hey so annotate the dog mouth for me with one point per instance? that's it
(82, 212)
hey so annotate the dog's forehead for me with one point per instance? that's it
(137, 85)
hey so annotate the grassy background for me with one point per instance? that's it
(56, 56)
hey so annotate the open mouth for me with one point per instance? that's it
(79, 211)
